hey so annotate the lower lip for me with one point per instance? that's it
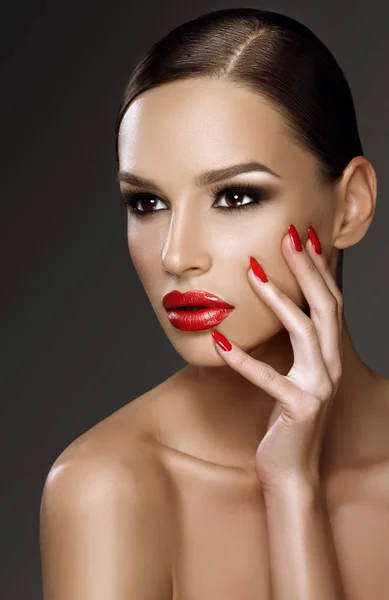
(197, 320)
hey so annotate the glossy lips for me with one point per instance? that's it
(212, 310)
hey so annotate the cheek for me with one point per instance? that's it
(287, 283)
(144, 254)
(263, 240)
(278, 271)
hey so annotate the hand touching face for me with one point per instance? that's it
(185, 234)
(292, 444)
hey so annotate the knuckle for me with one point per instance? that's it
(324, 390)
(242, 361)
(308, 329)
(329, 305)
(326, 268)
(332, 304)
(310, 266)
(268, 375)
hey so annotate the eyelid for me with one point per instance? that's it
(222, 185)
(259, 193)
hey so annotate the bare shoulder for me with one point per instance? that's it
(105, 519)
(121, 450)
(129, 436)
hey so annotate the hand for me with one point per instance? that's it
(292, 444)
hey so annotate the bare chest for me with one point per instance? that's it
(221, 545)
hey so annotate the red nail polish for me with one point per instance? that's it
(314, 239)
(258, 271)
(221, 340)
(294, 236)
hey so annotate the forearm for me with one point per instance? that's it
(302, 553)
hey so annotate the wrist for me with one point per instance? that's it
(296, 485)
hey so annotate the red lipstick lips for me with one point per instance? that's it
(195, 310)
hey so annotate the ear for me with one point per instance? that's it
(356, 201)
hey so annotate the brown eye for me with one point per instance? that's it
(238, 198)
(234, 198)
(146, 203)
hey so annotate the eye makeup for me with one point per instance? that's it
(234, 192)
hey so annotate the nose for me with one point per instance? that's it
(186, 245)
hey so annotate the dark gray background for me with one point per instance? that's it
(80, 338)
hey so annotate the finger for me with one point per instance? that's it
(308, 357)
(322, 302)
(259, 373)
(323, 267)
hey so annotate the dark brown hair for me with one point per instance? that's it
(270, 54)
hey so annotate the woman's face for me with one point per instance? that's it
(184, 240)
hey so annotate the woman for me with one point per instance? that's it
(260, 470)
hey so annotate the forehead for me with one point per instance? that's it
(195, 124)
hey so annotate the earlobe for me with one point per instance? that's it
(357, 196)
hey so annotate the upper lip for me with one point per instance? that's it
(176, 299)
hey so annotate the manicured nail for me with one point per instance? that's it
(221, 340)
(294, 236)
(257, 269)
(314, 239)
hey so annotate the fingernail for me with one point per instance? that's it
(294, 236)
(221, 340)
(258, 271)
(314, 239)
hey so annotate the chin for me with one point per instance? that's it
(195, 353)
(198, 347)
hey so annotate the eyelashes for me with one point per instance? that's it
(234, 193)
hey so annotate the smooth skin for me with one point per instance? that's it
(287, 461)
(162, 499)
(292, 444)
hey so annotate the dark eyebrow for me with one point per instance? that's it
(206, 178)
